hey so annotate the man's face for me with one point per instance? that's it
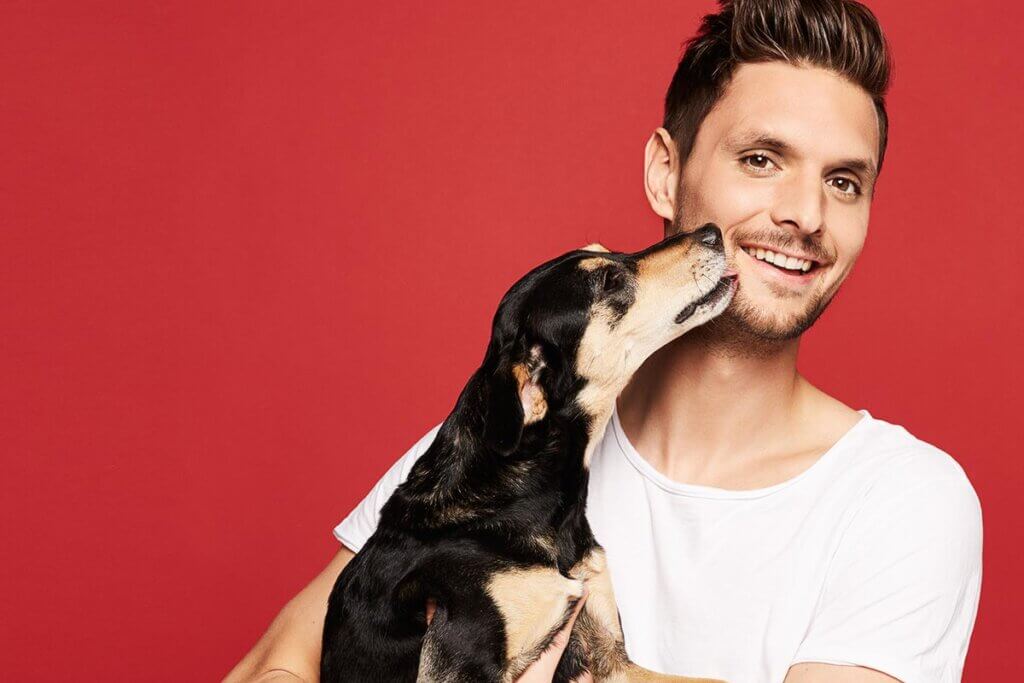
(777, 164)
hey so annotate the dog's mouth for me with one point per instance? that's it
(725, 286)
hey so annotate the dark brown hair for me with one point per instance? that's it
(842, 36)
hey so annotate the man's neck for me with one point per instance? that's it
(702, 413)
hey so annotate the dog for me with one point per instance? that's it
(489, 526)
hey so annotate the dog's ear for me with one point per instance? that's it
(516, 399)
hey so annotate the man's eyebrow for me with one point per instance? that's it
(756, 139)
(864, 167)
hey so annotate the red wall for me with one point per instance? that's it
(250, 252)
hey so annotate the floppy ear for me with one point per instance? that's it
(516, 400)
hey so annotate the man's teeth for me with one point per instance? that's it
(780, 260)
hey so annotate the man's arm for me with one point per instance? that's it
(290, 649)
(813, 672)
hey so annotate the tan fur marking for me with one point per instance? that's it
(595, 246)
(546, 544)
(533, 603)
(535, 407)
(600, 605)
(601, 359)
(428, 671)
(593, 263)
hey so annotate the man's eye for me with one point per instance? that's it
(846, 186)
(758, 161)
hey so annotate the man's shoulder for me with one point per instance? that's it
(886, 453)
(906, 455)
(903, 468)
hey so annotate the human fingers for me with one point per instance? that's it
(431, 608)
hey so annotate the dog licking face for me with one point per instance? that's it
(489, 528)
(573, 331)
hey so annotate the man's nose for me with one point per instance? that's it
(801, 204)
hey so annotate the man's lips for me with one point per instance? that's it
(789, 277)
(795, 253)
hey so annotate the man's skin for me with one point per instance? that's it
(723, 405)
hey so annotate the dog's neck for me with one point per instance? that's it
(598, 425)
(460, 482)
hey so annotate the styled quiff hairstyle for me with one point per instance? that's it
(842, 36)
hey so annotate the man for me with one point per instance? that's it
(757, 529)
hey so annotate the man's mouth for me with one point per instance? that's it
(796, 268)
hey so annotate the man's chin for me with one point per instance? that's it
(744, 322)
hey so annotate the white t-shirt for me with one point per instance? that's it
(870, 557)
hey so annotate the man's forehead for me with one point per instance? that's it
(814, 112)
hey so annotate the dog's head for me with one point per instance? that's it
(568, 336)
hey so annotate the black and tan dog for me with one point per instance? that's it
(490, 523)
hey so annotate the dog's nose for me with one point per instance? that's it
(710, 236)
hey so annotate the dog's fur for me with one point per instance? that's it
(490, 523)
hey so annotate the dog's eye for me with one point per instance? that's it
(612, 280)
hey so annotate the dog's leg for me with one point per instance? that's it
(534, 603)
(436, 664)
(601, 632)
(522, 608)
(463, 643)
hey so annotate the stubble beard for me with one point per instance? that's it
(745, 329)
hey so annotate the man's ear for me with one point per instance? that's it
(661, 173)
(516, 400)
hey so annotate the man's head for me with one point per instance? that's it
(775, 130)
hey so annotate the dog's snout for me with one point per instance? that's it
(710, 236)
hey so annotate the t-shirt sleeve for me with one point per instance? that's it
(360, 524)
(902, 590)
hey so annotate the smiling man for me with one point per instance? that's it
(757, 529)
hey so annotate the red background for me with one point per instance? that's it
(250, 253)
